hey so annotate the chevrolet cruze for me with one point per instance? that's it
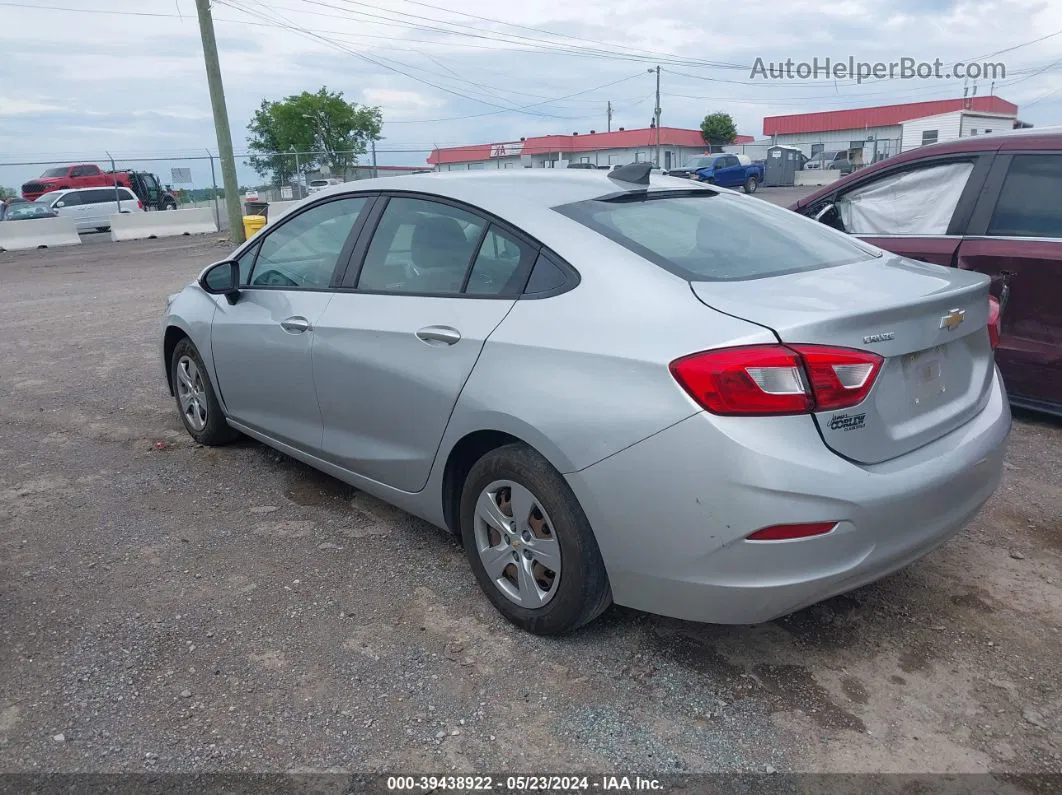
(614, 387)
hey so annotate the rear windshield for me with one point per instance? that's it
(708, 236)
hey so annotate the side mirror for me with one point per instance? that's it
(60, 204)
(222, 279)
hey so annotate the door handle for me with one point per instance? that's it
(296, 325)
(439, 335)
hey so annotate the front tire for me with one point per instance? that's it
(751, 184)
(529, 543)
(196, 402)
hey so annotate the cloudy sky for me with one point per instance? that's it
(83, 77)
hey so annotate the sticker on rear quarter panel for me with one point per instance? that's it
(848, 422)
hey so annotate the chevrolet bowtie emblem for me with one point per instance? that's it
(953, 319)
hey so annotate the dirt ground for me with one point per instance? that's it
(168, 607)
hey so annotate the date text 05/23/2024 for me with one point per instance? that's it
(544, 784)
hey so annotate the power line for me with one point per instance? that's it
(382, 62)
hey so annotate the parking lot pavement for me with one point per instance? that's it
(170, 607)
(785, 196)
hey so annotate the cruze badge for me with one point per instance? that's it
(953, 319)
(884, 336)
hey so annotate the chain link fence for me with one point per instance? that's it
(194, 180)
(859, 153)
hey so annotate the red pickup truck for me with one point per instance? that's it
(81, 175)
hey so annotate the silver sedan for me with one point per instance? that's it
(614, 387)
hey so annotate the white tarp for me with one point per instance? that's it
(917, 202)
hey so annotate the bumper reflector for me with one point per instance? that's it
(788, 532)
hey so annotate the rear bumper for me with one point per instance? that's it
(671, 513)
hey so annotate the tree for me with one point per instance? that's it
(7, 193)
(718, 129)
(324, 123)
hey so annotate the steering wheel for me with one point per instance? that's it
(274, 278)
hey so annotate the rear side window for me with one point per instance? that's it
(497, 268)
(1029, 204)
(708, 236)
(103, 195)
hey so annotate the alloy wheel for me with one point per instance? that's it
(191, 392)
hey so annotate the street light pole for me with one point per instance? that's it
(221, 121)
(656, 113)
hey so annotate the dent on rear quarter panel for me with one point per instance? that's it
(583, 375)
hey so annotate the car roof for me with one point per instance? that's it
(63, 191)
(524, 197)
(508, 191)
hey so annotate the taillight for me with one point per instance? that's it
(995, 321)
(139, 204)
(788, 532)
(777, 379)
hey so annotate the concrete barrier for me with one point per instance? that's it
(162, 223)
(817, 177)
(38, 233)
(280, 209)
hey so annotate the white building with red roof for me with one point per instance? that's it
(886, 130)
(594, 148)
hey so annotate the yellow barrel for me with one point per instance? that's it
(251, 224)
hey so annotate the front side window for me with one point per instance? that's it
(708, 236)
(920, 201)
(1029, 205)
(246, 260)
(421, 247)
(69, 199)
(302, 251)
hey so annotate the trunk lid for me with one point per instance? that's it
(927, 321)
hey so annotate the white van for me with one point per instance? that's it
(91, 208)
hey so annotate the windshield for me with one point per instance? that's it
(708, 236)
(55, 172)
(47, 198)
(700, 162)
(19, 211)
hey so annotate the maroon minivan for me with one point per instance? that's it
(990, 203)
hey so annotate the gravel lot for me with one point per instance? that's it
(168, 607)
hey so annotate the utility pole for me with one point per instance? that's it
(656, 114)
(375, 170)
(221, 121)
(610, 115)
(296, 191)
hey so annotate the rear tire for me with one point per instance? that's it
(197, 404)
(750, 185)
(516, 479)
